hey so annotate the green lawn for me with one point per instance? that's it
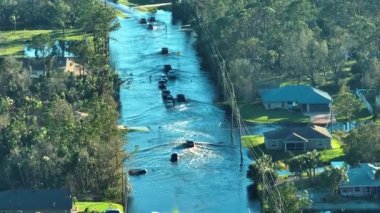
(256, 142)
(255, 113)
(120, 14)
(336, 153)
(13, 43)
(97, 206)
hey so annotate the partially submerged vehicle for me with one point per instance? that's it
(143, 21)
(167, 68)
(172, 74)
(164, 51)
(181, 98)
(136, 172)
(162, 84)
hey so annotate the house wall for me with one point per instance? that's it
(348, 191)
(319, 143)
(318, 108)
(273, 144)
(276, 105)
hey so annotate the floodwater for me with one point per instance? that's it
(208, 177)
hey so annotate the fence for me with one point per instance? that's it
(364, 100)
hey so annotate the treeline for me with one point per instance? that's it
(60, 130)
(43, 14)
(269, 42)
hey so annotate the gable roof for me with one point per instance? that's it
(304, 133)
(52, 199)
(294, 137)
(299, 93)
(363, 175)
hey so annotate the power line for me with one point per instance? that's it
(229, 94)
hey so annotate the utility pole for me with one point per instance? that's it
(232, 123)
(241, 151)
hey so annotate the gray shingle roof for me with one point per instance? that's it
(299, 93)
(309, 132)
(51, 199)
(363, 175)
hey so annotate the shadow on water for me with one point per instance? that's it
(207, 177)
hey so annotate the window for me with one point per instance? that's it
(274, 144)
(295, 146)
(357, 189)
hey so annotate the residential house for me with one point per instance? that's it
(304, 98)
(362, 181)
(33, 201)
(298, 139)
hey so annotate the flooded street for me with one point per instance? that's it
(208, 177)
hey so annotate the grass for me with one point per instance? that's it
(256, 142)
(120, 14)
(335, 153)
(255, 113)
(151, 7)
(12, 44)
(97, 206)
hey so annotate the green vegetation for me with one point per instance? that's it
(363, 144)
(60, 130)
(12, 44)
(256, 142)
(293, 200)
(120, 14)
(295, 42)
(335, 153)
(151, 7)
(256, 113)
(97, 206)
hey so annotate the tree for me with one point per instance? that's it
(363, 144)
(262, 171)
(13, 19)
(61, 11)
(293, 201)
(263, 174)
(332, 177)
(305, 163)
(41, 44)
(347, 105)
(372, 77)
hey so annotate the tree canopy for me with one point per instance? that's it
(363, 144)
(266, 43)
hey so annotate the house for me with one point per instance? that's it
(32, 201)
(297, 97)
(298, 139)
(362, 181)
